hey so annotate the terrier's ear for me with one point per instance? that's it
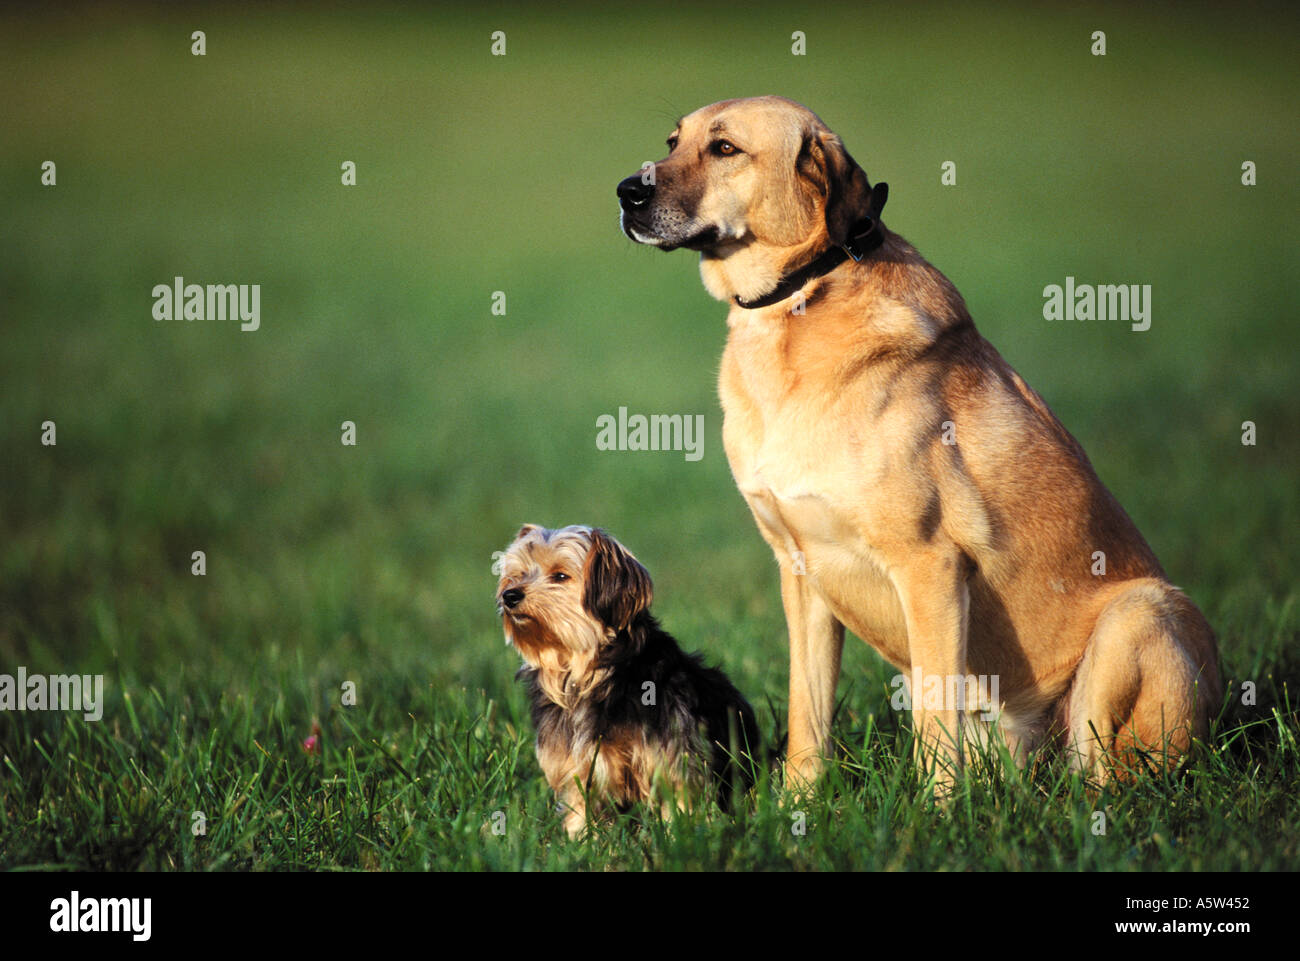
(848, 197)
(528, 529)
(617, 588)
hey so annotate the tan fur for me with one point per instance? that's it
(967, 558)
(558, 636)
(551, 630)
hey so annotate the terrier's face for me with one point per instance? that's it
(563, 593)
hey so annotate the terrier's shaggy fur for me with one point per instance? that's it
(622, 714)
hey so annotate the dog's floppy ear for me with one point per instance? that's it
(617, 587)
(843, 184)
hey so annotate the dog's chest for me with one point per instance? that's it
(807, 481)
(801, 460)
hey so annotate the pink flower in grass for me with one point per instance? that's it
(312, 744)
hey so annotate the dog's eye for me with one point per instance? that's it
(559, 577)
(672, 143)
(724, 148)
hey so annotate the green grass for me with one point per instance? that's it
(372, 564)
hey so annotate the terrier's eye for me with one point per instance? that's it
(724, 148)
(559, 576)
(672, 143)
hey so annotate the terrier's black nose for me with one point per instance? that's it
(633, 192)
(512, 597)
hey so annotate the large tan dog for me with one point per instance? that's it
(913, 487)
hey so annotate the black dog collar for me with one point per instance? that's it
(864, 237)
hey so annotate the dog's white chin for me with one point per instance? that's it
(641, 238)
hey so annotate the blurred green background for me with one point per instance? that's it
(479, 174)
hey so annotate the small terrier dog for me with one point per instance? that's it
(619, 708)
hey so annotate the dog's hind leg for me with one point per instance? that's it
(1148, 682)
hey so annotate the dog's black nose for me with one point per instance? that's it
(633, 192)
(512, 597)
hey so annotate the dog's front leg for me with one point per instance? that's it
(936, 605)
(816, 641)
(573, 805)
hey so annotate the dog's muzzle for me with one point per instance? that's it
(511, 598)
